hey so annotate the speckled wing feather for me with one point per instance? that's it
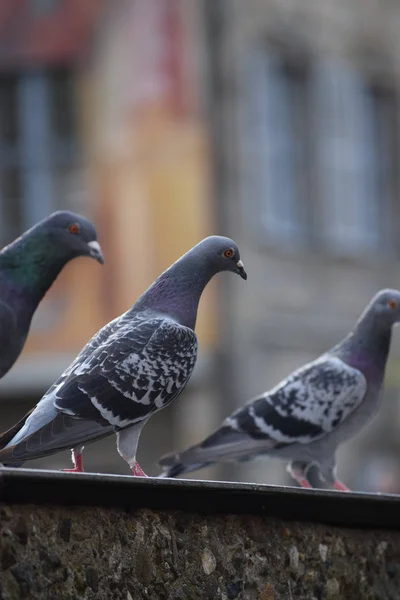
(310, 403)
(307, 405)
(141, 368)
(133, 367)
(44, 412)
(101, 338)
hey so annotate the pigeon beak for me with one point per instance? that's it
(95, 251)
(240, 270)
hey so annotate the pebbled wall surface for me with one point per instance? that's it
(56, 553)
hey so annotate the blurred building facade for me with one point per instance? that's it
(100, 112)
(305, 102)
(274, 122)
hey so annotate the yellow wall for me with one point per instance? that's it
(149, 186)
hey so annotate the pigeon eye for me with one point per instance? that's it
(392, 304)
(74, 228)
(228, 253)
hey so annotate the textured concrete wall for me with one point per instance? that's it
(106, 554)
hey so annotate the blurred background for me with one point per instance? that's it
(275, 122)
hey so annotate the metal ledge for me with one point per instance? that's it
(20, 486)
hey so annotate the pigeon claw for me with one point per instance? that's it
(338, 485)
(74, 470)
(303, 482)
(138, 471)
(78, 462)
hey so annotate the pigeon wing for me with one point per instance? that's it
(141, 366)
(309, 404)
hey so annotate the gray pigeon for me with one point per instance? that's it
(308, 415)
(29, 266)
(133, 367)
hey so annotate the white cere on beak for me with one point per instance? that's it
(95, 246)
(95, 251)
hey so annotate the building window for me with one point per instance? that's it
(354, 159)
(276, 150)
(8, 110)
(63, 118)
(383, 107)
(42, 8)
(38, 147)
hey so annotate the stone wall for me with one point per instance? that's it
(56, 553)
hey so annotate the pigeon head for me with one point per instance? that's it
(71, 234)
(177, 291)
(385, 307)
(220, 254)
(33, 261)
(367, 346)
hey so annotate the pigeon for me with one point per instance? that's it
(307, 416)
(28, 267)
(134, 366)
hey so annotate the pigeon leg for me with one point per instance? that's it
(137, 470)
(338, 485)
(298, 470)
(328, 474)
(77, 460)
(127, 441)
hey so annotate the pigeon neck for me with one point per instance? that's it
(177, 291)
(367, 346)
(32, 263)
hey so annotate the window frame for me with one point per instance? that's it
(363, 244)
(38, 153)
(295, 66)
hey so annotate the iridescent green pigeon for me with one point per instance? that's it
(29, 266)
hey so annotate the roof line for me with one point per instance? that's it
(20, 486)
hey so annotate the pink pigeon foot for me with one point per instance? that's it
(302, 481)
(138, 471)
(78, 462)
(338, 485)
(298, 470)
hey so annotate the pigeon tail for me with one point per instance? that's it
(224, 445)
(173, 467)
(60, 433)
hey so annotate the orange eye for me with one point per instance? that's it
(74, 228)
(228, 253)
(392, 304)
